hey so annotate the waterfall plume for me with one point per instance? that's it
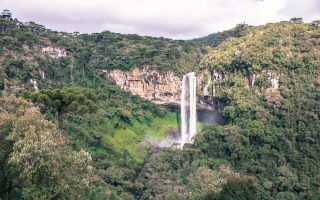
(188, 108)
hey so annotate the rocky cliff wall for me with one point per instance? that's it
(165, 88)
(54, 52)
(161, 88)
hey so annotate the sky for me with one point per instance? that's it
(176, 19)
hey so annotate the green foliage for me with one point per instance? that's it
(271, 131)
(17, 69)
(45, 168)
(296, 20)
(216, 38)
(116, 133)
(126, 51)
(237, 189)
(67, 100)
(188, 174)
(88, 54)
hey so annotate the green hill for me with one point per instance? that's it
(270, 95)
(267, 86)
(24, 51)
(216, 38)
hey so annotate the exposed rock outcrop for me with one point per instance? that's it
(161, 88)
(208, 85)
(274, 79)
(41, 73)
(165, 88)
(35, 84)
(54, 52)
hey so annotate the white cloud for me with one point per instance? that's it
(168, 18)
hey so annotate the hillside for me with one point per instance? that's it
(264, 80)
(216, 38)
(61, 74)
(30, 51)
(268, 87)
(266, 83)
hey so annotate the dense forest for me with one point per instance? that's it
(75, 135)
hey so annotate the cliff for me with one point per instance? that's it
(54, 52)
(161, 88)
(165, 88)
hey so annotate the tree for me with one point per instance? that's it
(47, 167)
(237, 189)
(204, 181)
(240, 29)
(316, 23)
(296, 20)
(73, 100)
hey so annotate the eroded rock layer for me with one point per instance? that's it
(162, 88)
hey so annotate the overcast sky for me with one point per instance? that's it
(178, 19)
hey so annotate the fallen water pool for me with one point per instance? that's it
(204, 115)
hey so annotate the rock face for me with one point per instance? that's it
(165, 88)
(54, 52)
(35, 84)
(207, 85)
(274, 79)
(161, 88)
(41, 73)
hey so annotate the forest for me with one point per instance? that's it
(79, 136)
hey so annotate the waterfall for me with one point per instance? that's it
(188, 108)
